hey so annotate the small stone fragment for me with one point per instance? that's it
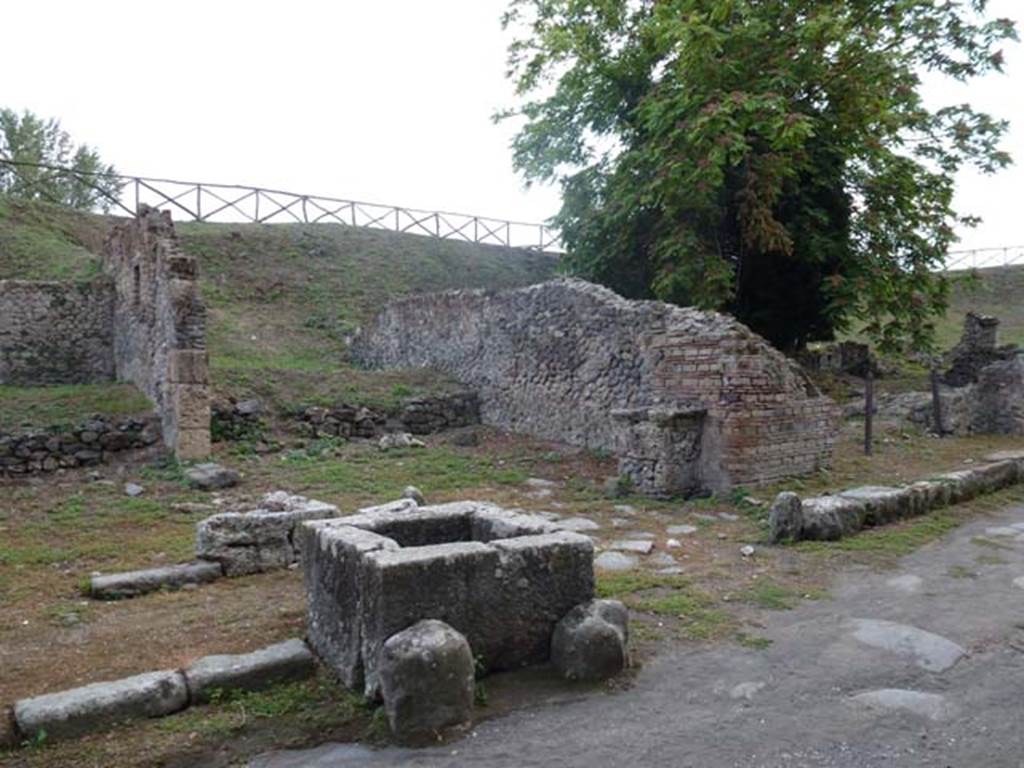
(412, 492)
(640, 546)
(211, 477)
(681, 530)
(591, 642)
(399, 440)
(133, 489)
(673, 543)
(427, 681)
(578, 524)
(747, 551)
(615, 561)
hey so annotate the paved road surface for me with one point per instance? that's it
(923, 666)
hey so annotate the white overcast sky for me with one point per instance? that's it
(377, 100)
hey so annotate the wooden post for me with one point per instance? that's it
(936, 404)
(869, 411)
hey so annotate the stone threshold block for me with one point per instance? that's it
(91, 707)
(281, 663)
(501, 579)
(132, 583)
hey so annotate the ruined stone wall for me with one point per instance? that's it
(94, 441)
(56, 332)
(660, 386)
(159, 324)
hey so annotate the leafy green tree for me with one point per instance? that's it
(46, 165)
(773, 158)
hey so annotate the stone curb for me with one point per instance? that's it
(78, 711)
(113, 586)
(281, 663)
(829, 518)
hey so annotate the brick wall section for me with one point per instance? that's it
(571, 361)
(56, 332)
(159, 323)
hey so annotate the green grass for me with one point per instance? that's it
(276, 289)
(622, 583)
(316, 702)
(668, 596)
(995, 291)
(892, 540)
(369, 474)
(776, 597)
(755, 642)
(67, 405)
(44, 242)
(283, 299)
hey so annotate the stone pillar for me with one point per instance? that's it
(187, 420)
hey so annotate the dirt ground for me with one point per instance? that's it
(56, 531)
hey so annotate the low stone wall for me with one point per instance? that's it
(56, 333)
(571, 361)
(92, 442)
(420, 416)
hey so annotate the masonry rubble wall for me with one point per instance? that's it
(56, 332)
(689, 400)
(159, 327)
(91, 442)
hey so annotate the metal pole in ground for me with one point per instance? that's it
(869, 411)
(936, 404)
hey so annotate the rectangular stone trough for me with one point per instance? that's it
(502, 579)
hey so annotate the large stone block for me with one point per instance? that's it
(375, 573)
(333, 556)
(829, 518)
(259, 540)
(591, 642)
(190, 404)
(427, 681)
(881, 504)
(188, 366)
(192, 444)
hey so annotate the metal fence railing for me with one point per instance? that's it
(202, 201)
(983, 258)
